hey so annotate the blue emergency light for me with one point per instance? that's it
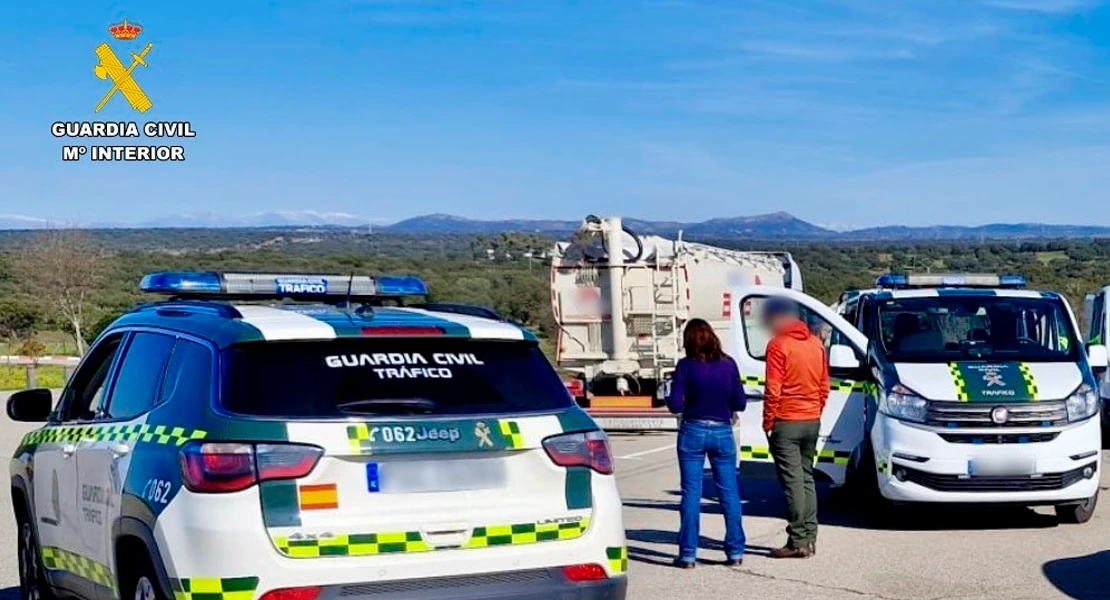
(968, 280)
(212, 284)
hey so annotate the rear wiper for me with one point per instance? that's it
(388, 406)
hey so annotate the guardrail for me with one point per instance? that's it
(31, 364)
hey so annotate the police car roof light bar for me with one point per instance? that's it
(304, 286)
(967, 280)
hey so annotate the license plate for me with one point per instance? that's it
(416, 476)
(637, 423)
(1001, 466)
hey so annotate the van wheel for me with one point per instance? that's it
(32, 582)
(139, 582)
(1078, 512)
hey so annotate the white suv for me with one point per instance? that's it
(210, 450)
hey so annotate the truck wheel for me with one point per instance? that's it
(1077, 512)
(32, 582)
(139, 581)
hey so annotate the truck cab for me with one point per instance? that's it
(946, 389)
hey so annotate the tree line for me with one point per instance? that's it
(77, 281)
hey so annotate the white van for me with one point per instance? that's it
(946, 389)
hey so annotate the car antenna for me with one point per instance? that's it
(350, 284)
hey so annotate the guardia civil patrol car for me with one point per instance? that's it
(215, 447)
(962, 388)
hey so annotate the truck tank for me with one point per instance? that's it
(621, 314)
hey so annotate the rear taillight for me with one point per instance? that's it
(586, 449)
(219, 467)
(297, 593)
(585, 573)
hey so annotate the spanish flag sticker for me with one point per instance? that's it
(318, 497)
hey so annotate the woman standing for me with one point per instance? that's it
(706, 391)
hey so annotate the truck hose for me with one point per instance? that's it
(635, 238)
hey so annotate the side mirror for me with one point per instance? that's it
(842, 358)
(1097, 356)
(32, 406)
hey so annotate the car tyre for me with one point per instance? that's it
(1077, 512)
(139, 581)
(32, 580)
(864, 481)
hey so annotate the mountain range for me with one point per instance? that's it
(774, 226)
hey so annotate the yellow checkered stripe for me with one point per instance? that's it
(356, 434)
(155, 434)
(356, 544)
(755, 453)
(511, 431)
(365, 544)
(836, 385)
(618, 559)
(836, 457)
(85, 568)
(214, 588)
(1030, 381)
(526, 533)
(959, 381)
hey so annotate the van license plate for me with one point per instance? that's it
(417, 476)
(1001, 466)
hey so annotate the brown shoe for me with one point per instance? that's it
(813, 548)
(790, 551)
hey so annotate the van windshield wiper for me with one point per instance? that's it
(388, 406)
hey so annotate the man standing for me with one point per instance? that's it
(797, 386)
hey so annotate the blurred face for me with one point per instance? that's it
(777, 323)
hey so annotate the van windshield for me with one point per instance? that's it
(976, 327)
(367, 377)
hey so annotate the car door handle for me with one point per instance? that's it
(119, 449)
(68, 449)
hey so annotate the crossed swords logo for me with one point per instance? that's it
(993, 378)
(482, 432)
(122, 81)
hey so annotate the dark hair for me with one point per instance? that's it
(700, 341)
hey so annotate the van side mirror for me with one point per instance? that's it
(32, 406)
(842, 358)
(1098, 357)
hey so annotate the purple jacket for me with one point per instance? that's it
(709, 391)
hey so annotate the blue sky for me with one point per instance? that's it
(846, 113)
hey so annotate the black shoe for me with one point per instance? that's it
(734, 562)
(683, 564)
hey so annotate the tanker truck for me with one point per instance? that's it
(621, 301)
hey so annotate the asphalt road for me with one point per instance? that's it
(938, 554)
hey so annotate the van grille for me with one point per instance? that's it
(999, 438)
(975, 414)
(1025, 483)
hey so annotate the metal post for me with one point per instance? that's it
(32, 379)
(614, 242)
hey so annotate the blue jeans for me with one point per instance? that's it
(696, 440)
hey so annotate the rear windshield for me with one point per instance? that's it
(394, 377)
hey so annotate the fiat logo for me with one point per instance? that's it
(1000, 414)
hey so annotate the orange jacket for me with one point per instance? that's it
(797, 381)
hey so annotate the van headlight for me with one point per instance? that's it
(1083, 404)
(901, 403)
